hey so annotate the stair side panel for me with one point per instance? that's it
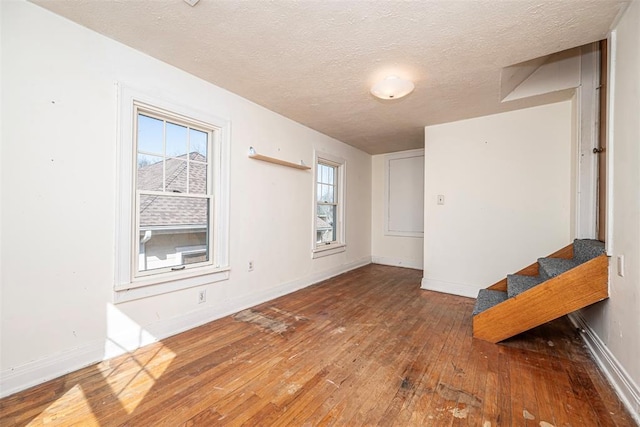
(532, 270)
(563, 294)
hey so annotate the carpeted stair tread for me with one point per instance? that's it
(552, 267)
(587, 249)
(487, 298)
(583, 251)
(517, 284)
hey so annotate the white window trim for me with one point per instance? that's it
(340, 244)
(127, 287)
(387, 177)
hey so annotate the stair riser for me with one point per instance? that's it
(586, 249)
(532, 270)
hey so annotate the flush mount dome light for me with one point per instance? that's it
(393, 87)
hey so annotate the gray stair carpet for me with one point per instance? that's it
(517, 284)
(487, 298)
(552, 267)
(586, 249)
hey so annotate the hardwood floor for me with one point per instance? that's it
(365, 348)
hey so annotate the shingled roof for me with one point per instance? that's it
(166, 211)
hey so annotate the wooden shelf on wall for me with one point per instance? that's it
(256, 156)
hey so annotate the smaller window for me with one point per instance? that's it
(328, 206)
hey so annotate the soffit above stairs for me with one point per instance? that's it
(314, 61)
(550, 73)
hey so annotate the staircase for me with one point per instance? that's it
(567, 280)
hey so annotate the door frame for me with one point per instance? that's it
(587, 112)
(603, 94)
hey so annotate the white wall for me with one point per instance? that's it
(390, 250)
(58, 194)
(506, 179)
(613, 326)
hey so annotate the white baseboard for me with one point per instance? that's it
(623, 384)
(41, 370)
(397, 262)
(38, 371)
(449, 287)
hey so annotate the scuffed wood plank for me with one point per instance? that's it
(368, 347)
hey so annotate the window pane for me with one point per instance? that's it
(326, 174)
(163, 211)
(150, 134)
(168, 224)
(149, 173)
(176, 140)
(197, 178)
(325, 193)
(198, 141)
(325, 226)
(176, 175)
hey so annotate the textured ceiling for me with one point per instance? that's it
(315, 60)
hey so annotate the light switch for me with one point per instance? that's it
(440, 199)
(621, 265)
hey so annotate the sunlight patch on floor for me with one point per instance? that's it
(131, 378)
(68, 409)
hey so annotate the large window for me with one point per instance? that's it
(329, 205)
(173, 192)
(173, 229)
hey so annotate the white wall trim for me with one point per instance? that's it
(38, 371)
(587, 137)
(397, 262)
(611, 137)
(627, 390)
(449, 287)
(129, 99)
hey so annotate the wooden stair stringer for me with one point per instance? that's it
(572, 290)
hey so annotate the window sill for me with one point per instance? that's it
(156, 286)
(418, 234)
(329, 250)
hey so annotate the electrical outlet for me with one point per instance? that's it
(202, 296)
(250, 266)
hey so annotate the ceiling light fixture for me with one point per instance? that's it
(392, 87)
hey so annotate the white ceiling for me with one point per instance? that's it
(314, 61)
